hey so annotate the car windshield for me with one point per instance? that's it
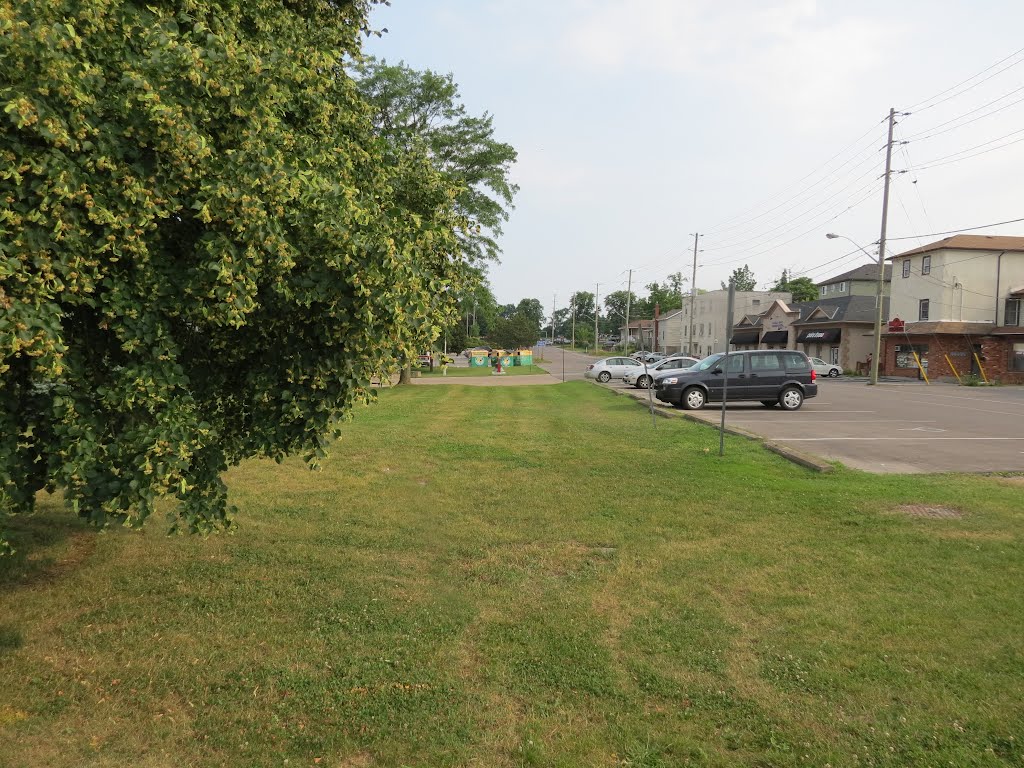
(708, 362)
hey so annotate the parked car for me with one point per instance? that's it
(771, 376)
(825, 369)
(651, 357)
(641, 379)
(611, 368)
(640, 354)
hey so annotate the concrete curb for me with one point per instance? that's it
(800, 458)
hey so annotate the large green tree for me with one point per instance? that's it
(206, 251)
(802, 288)
(422, 108)
(742, 278)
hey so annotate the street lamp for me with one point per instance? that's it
(878, 302)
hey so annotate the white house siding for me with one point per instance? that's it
(974, 270)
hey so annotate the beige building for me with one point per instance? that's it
(707, 325)
(957, 303)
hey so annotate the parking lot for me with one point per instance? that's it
(894, 427)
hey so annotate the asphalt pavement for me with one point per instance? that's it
(909, 427)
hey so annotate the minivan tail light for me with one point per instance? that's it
(814, 375)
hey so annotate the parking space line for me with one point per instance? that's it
(904, 439)
(965, 408)
(974, 399)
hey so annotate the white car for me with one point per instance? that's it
(825, 369)
(641, 379)
(611, 368)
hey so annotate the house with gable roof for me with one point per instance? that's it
(957, 307)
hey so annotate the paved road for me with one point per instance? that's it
(911, 427)
(564, 364)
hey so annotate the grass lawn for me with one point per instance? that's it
(527, 577)
(515, 370)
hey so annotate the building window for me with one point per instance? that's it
(1017, 363)
(701, 329)
(926, 265)
(842, 286)
(905, 355)
(1012, 314)
(823, 290)
(922, 309)
(755, 302)
(906, 267)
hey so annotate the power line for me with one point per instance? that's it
(921, 106)
(817, 226)
(950, 159)
(931, 132)
(957, 231)
(727, 223)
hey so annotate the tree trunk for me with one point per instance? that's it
(406, 376)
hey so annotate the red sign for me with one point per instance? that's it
(896, 325)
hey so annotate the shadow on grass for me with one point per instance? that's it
(47, 544)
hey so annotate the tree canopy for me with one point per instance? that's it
(802, 288)
(742, 278)
(414, 108)
(206, 250)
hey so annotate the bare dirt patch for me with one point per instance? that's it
(930, 511)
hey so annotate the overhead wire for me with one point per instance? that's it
(921, 106)
(932, 132)
(728, 223)
(953, 158)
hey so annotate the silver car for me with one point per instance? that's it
(641, 379)
(611, 368)
(825, 369)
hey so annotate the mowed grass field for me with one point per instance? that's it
(527, 576)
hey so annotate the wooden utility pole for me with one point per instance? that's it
(573, 346)
(629, 294)
(693, 295)
(876, 360)
(597, 287)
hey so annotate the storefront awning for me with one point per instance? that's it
(817, 336)
(745, 337)
(775, 337)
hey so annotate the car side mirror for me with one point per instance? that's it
(717, 370)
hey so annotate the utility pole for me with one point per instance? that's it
(573, 320)
(597, 287)
(554, 298)
(629, 294)
(876, 360)
(693, 295)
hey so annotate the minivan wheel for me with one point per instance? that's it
(791, 398)
(693, 399)
(604, 377)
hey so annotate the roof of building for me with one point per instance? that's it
(863, 272)
(969, 243)
(841, 309)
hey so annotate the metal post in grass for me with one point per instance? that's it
(725, 368)
(650, 395)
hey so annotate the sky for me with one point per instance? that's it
(759, 125)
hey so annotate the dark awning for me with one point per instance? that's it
(745, 337)
(775, 337)
(819, 335)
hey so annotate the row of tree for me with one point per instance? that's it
(666, 295)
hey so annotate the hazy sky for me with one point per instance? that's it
(760, 125)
